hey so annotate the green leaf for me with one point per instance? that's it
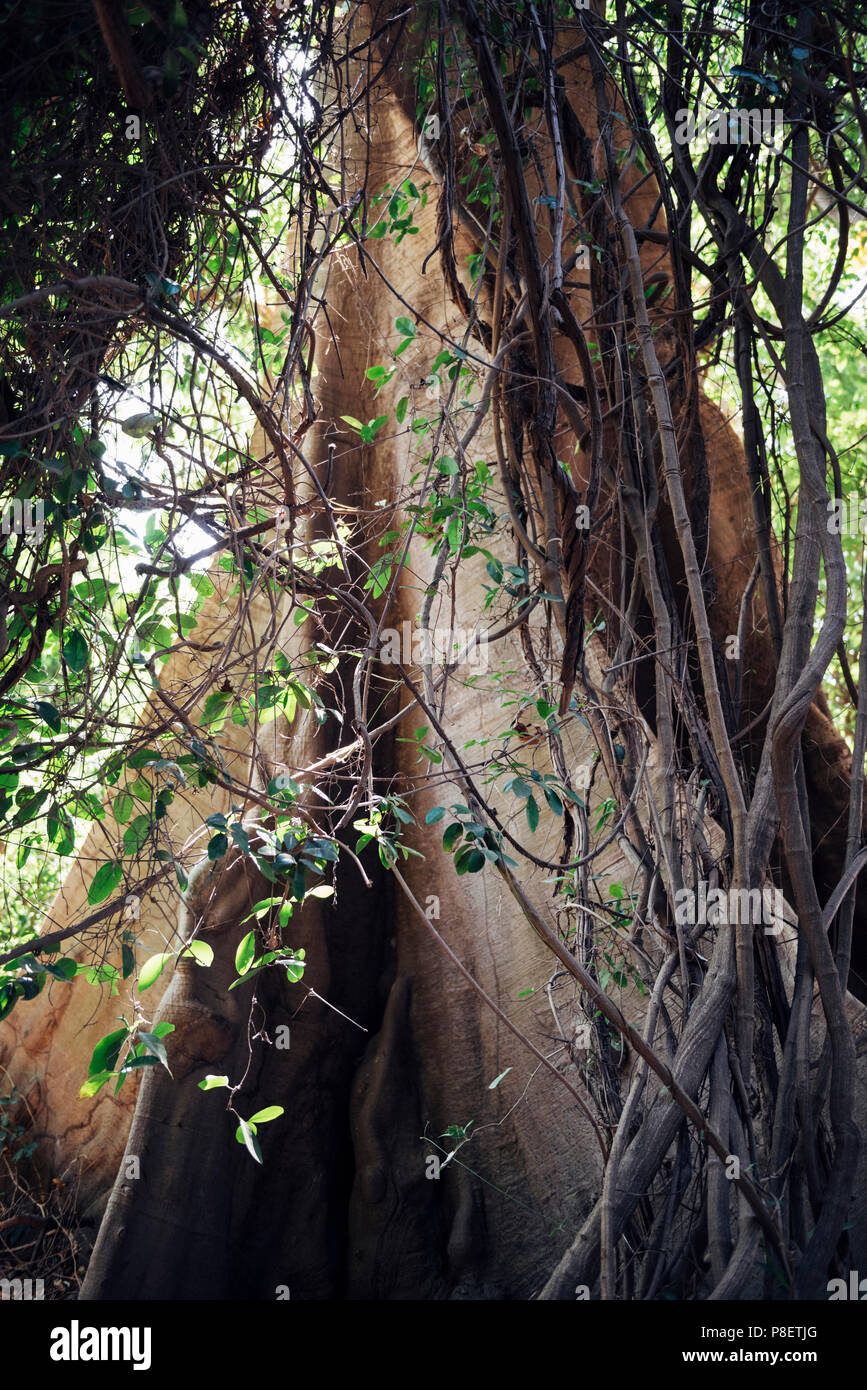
(142, 757)
(127, 956)
(768, 82)
(302, 695)
(321, 849)
(263, 905)
(75, 650)
(241, 838)
(369, 431)
(105, 880)
(88, 806)
(573, 796)
(202, 585)
(94, 1084)
(400, 409)
(451, 837)
(245, 953)
(61, 831)
(215, 707)
(351, 420)
(261, 1117)
(245, 1135)
(213, 1083)
(152, 969)
(497, 1079)
(217, 846)
(136, 1064)
(65, 969)
(155, 1048)
(532, 809)
(435, 814)
(324, 890)
(284, 783)
(136, 834)
(107, 1051)
(405, 326)
(49, 714)
(201, 952)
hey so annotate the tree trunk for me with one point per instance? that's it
(347, 1203)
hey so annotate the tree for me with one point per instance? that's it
(529, 895)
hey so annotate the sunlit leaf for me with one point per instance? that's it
(152, 969)
(245, 953)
